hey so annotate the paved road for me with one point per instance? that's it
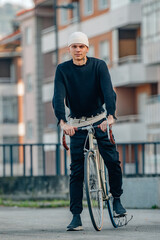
(50, 224)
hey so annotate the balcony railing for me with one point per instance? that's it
(5, 80)
(127, 60)
(19, 159)
(128, 118)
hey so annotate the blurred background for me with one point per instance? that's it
(33, 40)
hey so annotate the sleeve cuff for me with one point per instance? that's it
(64, 119)
(112, 115)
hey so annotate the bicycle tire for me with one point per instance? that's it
(109, 203)
(93, 190)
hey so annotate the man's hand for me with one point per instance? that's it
(69, 130)
(111, 120)
(103, 125)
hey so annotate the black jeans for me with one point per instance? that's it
(111, 159)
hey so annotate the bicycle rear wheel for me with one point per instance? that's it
(109, 202)
(93, 190)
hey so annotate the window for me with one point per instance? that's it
(5, 69)
(29, 83)
(29, 130)
(49, 65)
(63, 16)
(88, 7)
(104, 51)
(150, 20)
(10, 110)
(28, 35)
(91, 52)
(75, 12)
(102, 4)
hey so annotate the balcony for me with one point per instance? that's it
(7, 89)
(130, 71)
(117, 4)
(9, 129)
(128, 13)
(129, 129)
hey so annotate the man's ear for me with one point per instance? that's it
(87, 49)
(68, 49)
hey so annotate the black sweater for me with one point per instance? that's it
(84, 89)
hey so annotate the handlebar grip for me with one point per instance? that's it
(64, 139)
(111, 135)
(64, 142)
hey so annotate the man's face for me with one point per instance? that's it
(78, 51)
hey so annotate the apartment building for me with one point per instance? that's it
(151, 58)
(117, 34)
(11, 99)
(117, 40)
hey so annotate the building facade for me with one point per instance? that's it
(120, 33)
(11, 100)
(151, 58)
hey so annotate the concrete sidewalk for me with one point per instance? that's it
(48, 224)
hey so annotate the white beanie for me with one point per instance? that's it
(78, 37)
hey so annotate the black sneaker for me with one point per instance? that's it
(118, 209)
(76, 224)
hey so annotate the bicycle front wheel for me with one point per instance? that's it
(93, 190)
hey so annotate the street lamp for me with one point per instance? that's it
(55, 7)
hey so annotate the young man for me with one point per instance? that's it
(84, 85)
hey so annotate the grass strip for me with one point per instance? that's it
(34, 203)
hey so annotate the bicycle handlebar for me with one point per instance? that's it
(109, 130)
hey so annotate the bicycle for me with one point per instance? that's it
(96, 182)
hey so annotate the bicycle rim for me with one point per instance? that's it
(93, 191)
